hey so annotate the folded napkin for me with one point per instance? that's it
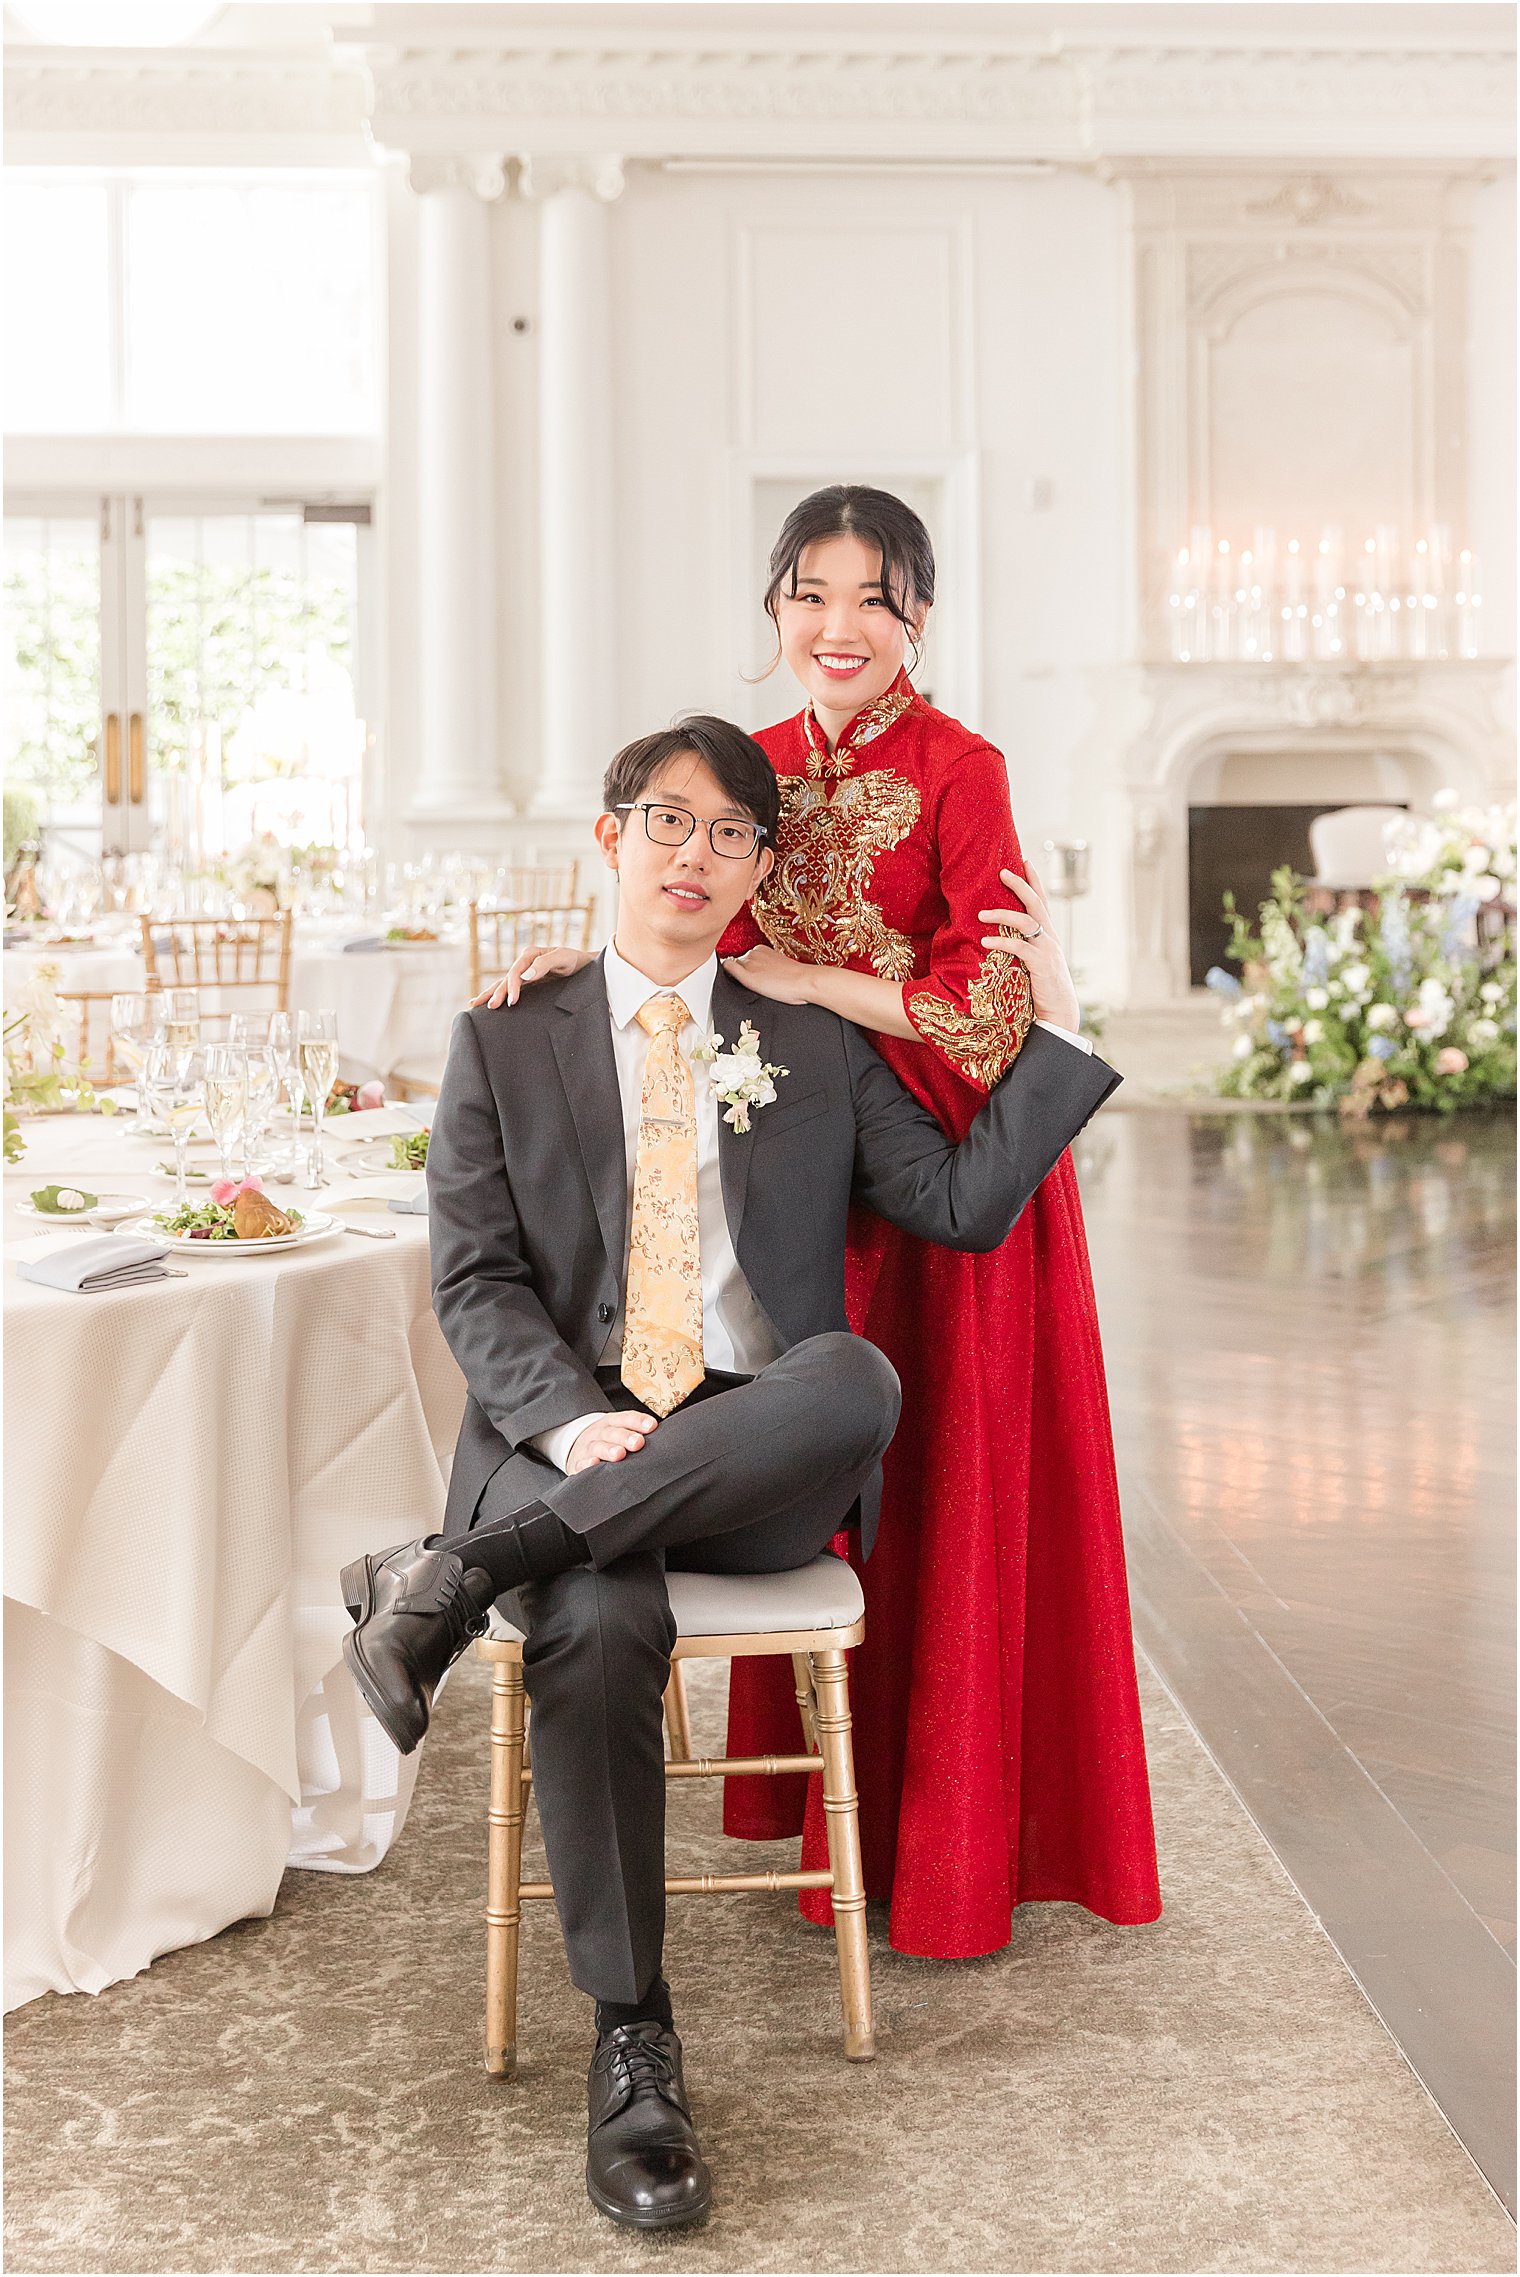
(363, 946)
(113, 1261)
(415, 1206)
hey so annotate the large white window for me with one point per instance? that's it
(187, 682)
(187, 661)
(191, 303)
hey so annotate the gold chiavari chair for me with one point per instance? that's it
(537, 885)
(221, 954)
(815, 1614)
(93, 1049)
(499, 936)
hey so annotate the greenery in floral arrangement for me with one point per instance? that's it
(39, 1074)
(1411, 1004)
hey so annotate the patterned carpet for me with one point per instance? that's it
(305, 2093)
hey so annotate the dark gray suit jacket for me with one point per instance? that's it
(528, 1180)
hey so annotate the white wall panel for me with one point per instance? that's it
(1311, 414)
(851, 334)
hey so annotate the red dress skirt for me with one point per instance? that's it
(998, 1745)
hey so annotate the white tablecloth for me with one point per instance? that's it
(188, 1466)
(395, 1005)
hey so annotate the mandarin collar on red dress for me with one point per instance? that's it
(872, 720)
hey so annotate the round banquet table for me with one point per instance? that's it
(395, 1004)
(189, 1464)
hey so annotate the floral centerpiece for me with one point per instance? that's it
(261, 875)
(1408, 1004)
(40, 1075)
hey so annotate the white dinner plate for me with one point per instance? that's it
(112, 1208)
(108, 1210)
(375, 1154)
(318, 1226)
(29, 1209)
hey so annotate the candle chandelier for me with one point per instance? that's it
(1378, 600)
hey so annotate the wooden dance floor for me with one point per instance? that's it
(1309, 1334)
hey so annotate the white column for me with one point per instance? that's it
(460, 772)
(576, 519)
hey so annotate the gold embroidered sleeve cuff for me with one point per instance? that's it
(982, 1038)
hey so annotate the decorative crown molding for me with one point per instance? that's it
(1071, 101)
(1310, 200)
(140, 97)
(944, 100)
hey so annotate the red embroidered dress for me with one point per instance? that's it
(997, 1730)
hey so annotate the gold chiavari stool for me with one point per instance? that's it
(814, 1613)
(221, 953)
(498, 937)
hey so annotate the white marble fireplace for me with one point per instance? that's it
(1286, 735)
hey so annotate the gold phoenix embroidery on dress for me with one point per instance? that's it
(863, 729)
(662, 1332)
(984, 1040)
(816, 902)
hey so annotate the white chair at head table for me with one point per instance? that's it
(1351, 846)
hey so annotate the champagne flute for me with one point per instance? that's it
(226, 1093)
(317, 1048)
(172, 1075)
(182, 1017)
(263, 1084)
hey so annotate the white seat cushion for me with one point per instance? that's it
(823, 1595)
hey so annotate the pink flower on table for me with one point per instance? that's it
(224, 1191)
(1450, 1061)
(370, 1095)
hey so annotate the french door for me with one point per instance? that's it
(187, 676)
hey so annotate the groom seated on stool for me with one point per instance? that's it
(647, 1302)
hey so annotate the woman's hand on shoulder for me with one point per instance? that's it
(784, 980)
(1029, 934)
(533, 964)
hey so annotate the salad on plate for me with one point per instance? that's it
(238, 1210)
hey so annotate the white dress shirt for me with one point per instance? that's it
(737, 1338)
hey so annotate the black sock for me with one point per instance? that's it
(526, 1545)
(654, 2008)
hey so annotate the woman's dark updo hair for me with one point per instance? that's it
(851, 510)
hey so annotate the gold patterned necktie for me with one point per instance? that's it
(662, 1329)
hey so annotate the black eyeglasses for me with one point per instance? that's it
(672, 826)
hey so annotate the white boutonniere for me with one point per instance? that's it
(740, 1078)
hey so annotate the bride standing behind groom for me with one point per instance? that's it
(999, 1749)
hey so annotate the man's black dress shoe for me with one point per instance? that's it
(643, 2165)
(415, 1609)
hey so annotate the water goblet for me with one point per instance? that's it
(263, 1087)
(282, 1047)
(317, 1051)
(136, 1019)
